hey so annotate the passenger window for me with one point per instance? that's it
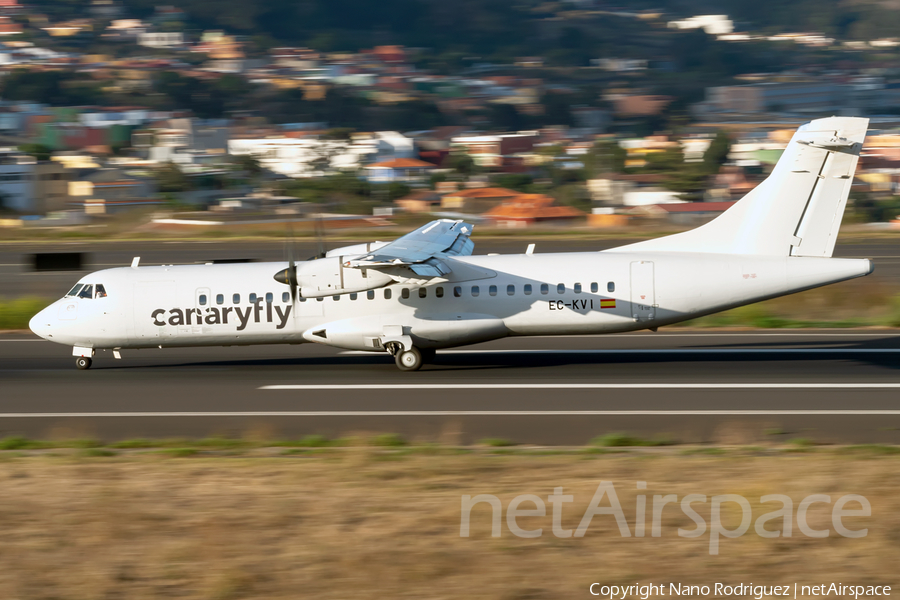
(335, 298)
(560, 288)
(220, 298)
(253, 298)
(354, 296)
(320, 299)
(577, 288)
(527, 288)
(423, 292)
(236, 299)
(87, 292)
(610, 287)
(545, 289)
(202, 299)
(594, 287)
(302, 299)
(439, 292)
(387, 294)
(100, 291)
(475, 290)
(269, 298)
(370, 294)
(510, 290)
(457, 291)
(404, 293)
(492, 290)
(284, 297)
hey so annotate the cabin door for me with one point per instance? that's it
(643, 292)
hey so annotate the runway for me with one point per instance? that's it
(686, 386)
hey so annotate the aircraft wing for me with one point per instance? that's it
(421, 250)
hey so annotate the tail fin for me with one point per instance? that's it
(796, 211)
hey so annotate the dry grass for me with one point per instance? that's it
(376, 523)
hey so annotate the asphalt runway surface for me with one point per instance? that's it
(688, 386)
(18, 278)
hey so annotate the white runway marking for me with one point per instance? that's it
(647, 351)
(582, 386)
(451, 413)
(727, 333)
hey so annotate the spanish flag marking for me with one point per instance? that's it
(609, 303)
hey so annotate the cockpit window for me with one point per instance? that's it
(99, 291)
(86, 292)
(74, 291)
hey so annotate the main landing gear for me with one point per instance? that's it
(83, 362)
(412, 359)
(409, 360)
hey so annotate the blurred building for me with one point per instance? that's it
(496, 151)
(404, 170)
(711, 24)
(817, 96)
(477, 200)
(311, 156)
(108, 190)
(30, 186)
(528, 209)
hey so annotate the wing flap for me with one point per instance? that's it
(421, 249)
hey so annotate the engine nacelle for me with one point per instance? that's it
(328, 277)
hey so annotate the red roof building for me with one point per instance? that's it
(531, 208)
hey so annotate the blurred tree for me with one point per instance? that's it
(557, 109)
(717, 153)
(462, 163)
(248, 163)
(606, 156)
(170, 179)
(38, 151)
(435, 179)
(513, 181)
(397, 190)
(506, 117)
(339, 133)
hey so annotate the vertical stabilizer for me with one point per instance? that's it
(796, 211)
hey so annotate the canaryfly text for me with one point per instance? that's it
(240, 316)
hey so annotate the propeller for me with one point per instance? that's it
(289, 276)
(320, 237)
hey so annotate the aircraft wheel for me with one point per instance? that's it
(83, 363)
(409, 360)
(428, 355)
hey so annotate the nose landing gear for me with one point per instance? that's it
(82, 357)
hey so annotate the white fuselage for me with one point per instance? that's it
(517, 295)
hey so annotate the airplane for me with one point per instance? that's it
(427, 290)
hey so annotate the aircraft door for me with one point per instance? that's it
(152, 300)
(643, 291)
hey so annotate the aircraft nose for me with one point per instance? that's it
(41, 323)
